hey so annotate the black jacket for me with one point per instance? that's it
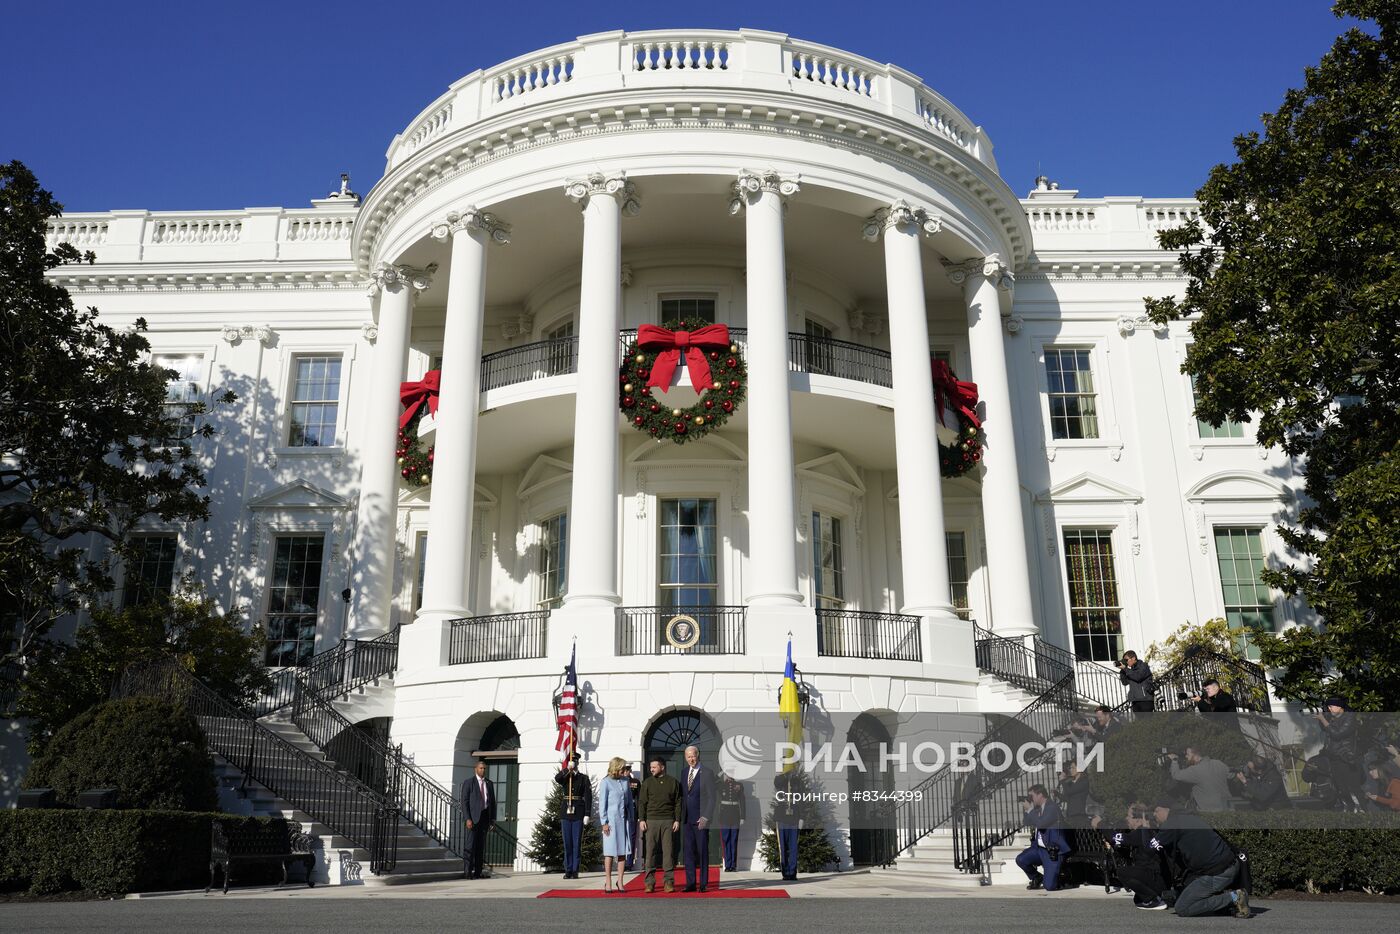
(1195, 844)
(1139, 681)
(578, 795)
(1222, 702)
(1342, 740)
(1265, 789)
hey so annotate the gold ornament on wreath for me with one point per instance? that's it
(715, 366)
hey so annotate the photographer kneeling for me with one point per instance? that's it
(1048, 847)
(1211, 869)
(1138, 865)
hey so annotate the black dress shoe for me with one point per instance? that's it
(688, 888)
(700, 889)
(1035, 884)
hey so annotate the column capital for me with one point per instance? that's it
(392, 277)
(751, 183)
(471, 218)
(900, 213)
(612, 184)
(238, 333)
(990, 267)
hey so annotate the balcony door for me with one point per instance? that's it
(688, 553)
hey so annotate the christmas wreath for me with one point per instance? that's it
(716, 371)
(957, 458)
(418, 399)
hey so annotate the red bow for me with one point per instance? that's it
(413, 395)
(672, 344)
(951, 392)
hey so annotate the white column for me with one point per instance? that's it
(923, 548)
(1002, 518)
(592, 544)
(446, 579)
(372, 578)
(772, 574)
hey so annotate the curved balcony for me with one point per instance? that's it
(817, 356)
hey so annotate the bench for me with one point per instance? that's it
(1090, 848)
(255, 841)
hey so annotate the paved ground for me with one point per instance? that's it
(386, 910)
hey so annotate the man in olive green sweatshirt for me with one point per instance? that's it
(659, 816)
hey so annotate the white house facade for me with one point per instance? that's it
(849, 227)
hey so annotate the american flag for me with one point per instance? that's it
(568, 720)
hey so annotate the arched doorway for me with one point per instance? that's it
(500, 747)
(872, 822)
(669, 735)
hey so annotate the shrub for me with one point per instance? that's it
(1287, 850)
(547, 840)
(1130, 761)
(106, 852)
(151, 751)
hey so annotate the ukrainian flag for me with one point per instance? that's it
(789, 710)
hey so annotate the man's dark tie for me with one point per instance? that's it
(690, 780)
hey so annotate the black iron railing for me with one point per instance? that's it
(334, 798)
(338, 670)
(825, 356)
(521, 364)
(505, 637)
(381, 765)
(737, 336)
(502, 848)
(1037, 665)
(860, 634)
(659, 630)
(1246, 681)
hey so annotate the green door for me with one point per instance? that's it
(505, 778)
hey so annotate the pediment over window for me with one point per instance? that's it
(709, 450)
(1237, 486)
(544, 472)
(298, 494)
(835, 469)
(1089, 488)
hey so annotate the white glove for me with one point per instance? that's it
(586, 820)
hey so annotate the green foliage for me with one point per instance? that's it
(1287, 851)
(64, 679)
(1216, 636)
(107, 852)
(547, 840)
(151, 751)
(815, 852)
(1130, 761)
(87, 446)
(1294, 288)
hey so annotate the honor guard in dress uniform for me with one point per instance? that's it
(786, 819)
(729, 817)
(574, 812)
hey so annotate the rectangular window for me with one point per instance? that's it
(828, 573)
(1096, 617)
(1204, 429)
(315, 401)
(421, 549)
(561, 355)
(675, 307)
(1249, 607)
(957, 572)
(554, 560)
(182, 392)
(818, 353)
(294, 598)
(688, 553)
(1073, 407)
(150, 573)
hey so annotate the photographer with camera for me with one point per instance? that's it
(1214, 699)
(1212, 872)
(1209, 779)
(1261, 782)
(1097, 730)
(1342, 750)
(1137, 675)
(1048, 847)
(1137, 865)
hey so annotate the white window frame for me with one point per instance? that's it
(721, 292)
(290, 354)
(1109, 439)
(846, 543)
(289, 527)
(1276, 599)
(1195, 443)
(207, 354)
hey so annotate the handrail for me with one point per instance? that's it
(417, 797)
(865, 634)
(340, 669)
(503, 637)
(329, 796)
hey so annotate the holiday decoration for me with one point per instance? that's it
(716, 370)
(418, 399)
(949, 392)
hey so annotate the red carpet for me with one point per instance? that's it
(636, 888)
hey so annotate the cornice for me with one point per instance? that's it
(1101, 264)
(928, 156)
(207, 278)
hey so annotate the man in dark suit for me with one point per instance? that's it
(1049, 847)
(479, 809)
(698, 790)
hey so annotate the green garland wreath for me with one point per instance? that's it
(415, 464)
(661, 421)
(962, 455)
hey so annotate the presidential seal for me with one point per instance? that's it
(682, 631)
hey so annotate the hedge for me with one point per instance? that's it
(1287, 850)
(107, 853)
(151, 751)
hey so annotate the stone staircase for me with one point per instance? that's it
(932, 859)
(997, 696)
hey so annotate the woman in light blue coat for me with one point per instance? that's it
(616, 811)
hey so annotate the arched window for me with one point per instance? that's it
(678, 729)
(500, 736)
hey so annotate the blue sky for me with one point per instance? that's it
(204, 105)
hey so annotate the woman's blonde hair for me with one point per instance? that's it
(615, 766)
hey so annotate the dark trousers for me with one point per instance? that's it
(695, 843)
(729, 838)
(1141, 874)
(475, 848)
(1035, 857)
(632, 851)
(1205, 895)
(1346, 778)
(787, 847)
(573, 842)
(1143, 706)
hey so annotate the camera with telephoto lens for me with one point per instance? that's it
(1182, 695)
(1163, 757)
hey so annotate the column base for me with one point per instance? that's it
(774, 598)
(591, 600)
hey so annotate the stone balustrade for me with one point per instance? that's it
(721, 59)
(1104, 223)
